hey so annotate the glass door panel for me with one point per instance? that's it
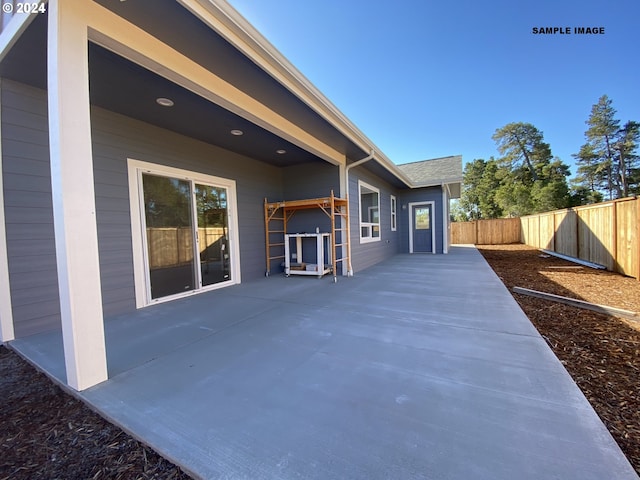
(422, 234)
(213, 234)
(169, 231)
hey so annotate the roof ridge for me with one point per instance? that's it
(428, 160)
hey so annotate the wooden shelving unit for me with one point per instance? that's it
(278, 214)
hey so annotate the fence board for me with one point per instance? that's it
(566, 236)
(463, 232)
(595, 232)
(486, 232)
(170, 247)
(547, 231)
(628, 246)
(607, 233)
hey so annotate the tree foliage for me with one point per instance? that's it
(608, 161)
(480, 185)
(526, 179)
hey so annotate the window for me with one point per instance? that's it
(393, 213)
(369, 213)
(184, 232)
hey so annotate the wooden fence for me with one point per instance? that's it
(170, 247)
(607, 233)
(499, 231)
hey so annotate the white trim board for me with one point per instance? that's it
(135, 168)
(7, 332)
(373, 189)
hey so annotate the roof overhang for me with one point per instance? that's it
(131, 47)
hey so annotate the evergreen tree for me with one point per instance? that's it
(608, 161)
(628, 160)
(521, 144)
(480, 184)
(591, 175)
(531, 180)
(601, 137)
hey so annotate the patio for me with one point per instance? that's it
(422, 366)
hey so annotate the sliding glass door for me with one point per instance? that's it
(213, 234)
(186, 233)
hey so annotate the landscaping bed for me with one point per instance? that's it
(47, 434)
(601, 352)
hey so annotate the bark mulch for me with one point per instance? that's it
(600, 352)
(47, 434)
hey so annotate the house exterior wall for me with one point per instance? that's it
(311, 180)
(428, 194)
(366, 254)
(28, 209)
(115, 138)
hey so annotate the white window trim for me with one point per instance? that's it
(432, 220)
(368, 224)
(393, 203)
(135, 169)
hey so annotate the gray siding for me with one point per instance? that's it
(29, 213)
(117, 138)
(430, 194)
(313, 180)
(29, 216)
(28, 209)
(367, 254)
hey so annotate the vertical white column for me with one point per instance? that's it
(344, 193)
(73, 195)
(445, 219)
(6, 314)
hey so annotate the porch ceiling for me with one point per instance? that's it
(119, 85)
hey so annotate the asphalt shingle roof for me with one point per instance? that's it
(435, 171)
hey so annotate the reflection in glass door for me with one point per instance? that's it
(213, 234)
(169, 235)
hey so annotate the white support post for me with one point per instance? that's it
(73, 195)
(6, 314)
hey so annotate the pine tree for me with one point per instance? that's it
(628, 160)
(531, 179)
(601, 138)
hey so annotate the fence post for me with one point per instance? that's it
(638, 237)
(614, 247)
(477, 222)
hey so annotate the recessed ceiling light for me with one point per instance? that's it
(165, 102)
(237, 132)
(281, 152)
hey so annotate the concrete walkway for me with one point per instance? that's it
(421, 367)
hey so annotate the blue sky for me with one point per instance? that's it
(425, 79)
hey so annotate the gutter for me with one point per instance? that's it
(346, 191)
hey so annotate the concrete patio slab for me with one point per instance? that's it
(421, 367)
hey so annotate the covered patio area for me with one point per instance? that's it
(422, 366)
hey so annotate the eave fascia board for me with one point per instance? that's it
(436, 183)
(129, 41)
(228, 22)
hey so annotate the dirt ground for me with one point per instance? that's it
(601, 352)
(47, 434)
